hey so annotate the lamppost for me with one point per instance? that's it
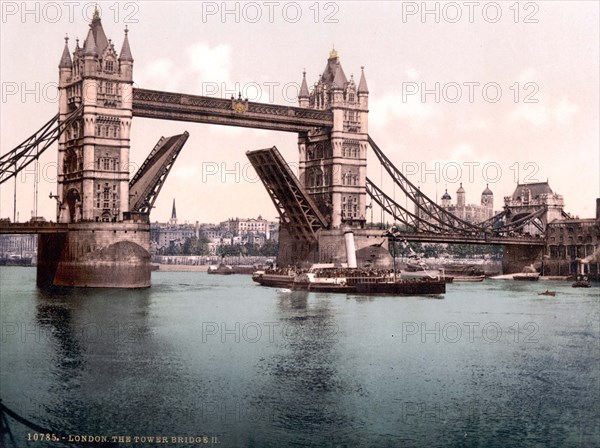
(58, 204)
(392, 233)
(371, 207)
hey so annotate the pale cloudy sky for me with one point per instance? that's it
(517, 90)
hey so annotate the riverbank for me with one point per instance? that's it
(180, 267)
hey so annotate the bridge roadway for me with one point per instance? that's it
(423, 237)
(32, 227)
(231, 112)
(426, 237)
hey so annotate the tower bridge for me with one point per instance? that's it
(101, 236)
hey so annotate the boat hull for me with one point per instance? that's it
(468, 278)
(274, 281)
(404, 287)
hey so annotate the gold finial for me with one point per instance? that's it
(126, 29)
(96, 13)
(333, 53)
(66, 38)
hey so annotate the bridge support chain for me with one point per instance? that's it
(399, 213)
(31, 149)
(431, 211)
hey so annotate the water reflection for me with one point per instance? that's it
(96, 337)
(304, 374)
(185, 358)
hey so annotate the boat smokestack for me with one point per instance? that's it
(350, 248)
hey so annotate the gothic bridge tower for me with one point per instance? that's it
(333, 163)
(105, 245)
(93, 154)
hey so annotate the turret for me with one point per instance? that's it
(487, 197)
(304, 95)
(125, 58)
(446, 199)
(66, 64)
(460, 196)
(363, 90)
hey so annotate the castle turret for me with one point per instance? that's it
(460, 196)
(487, 202)
(446, 199)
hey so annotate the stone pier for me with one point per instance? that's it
(96, 255)
(516, 257)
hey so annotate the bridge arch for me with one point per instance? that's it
(72, 199)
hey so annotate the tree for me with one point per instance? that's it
(196, 246)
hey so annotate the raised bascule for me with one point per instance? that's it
(101, 237)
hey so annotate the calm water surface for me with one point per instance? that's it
(491, 364)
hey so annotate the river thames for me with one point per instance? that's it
(207, 360)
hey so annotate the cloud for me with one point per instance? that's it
(563, 110)
(474, 124)
(535, 114)
(461, 151)
(158, 74)
(210, 64)
(527, 75)
(411, 110)
(412, 73)
(560, 112)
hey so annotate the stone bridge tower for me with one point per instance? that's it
(93, 153)
(529, 198)
(333, 163)
(104, 245)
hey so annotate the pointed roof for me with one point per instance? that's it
(446, 195)
(173, 212)
(487, 191)
(89, 46)
(304, 93)
(536, 189)
(333, 75)
(362, 85)
(340, 80)
(460, 189)
(65, 60)
(125, 54)
(98, 31)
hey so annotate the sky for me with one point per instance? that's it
(472, 92)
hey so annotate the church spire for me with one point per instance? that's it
(174, 212)
(65, 60)
(125, 54)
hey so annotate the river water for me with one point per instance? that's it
(490, 364)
